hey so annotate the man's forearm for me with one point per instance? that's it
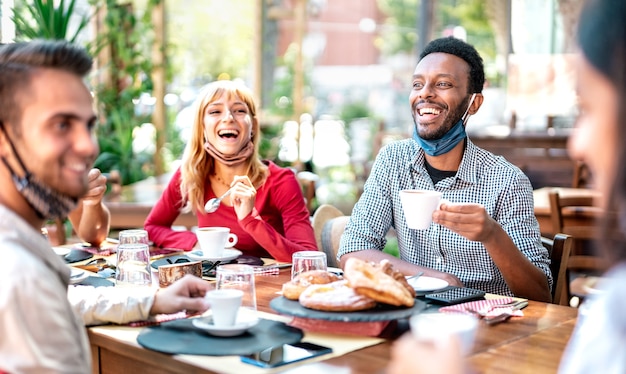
(522, 276)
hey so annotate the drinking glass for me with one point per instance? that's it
(134, 236)
(239, 277)
(307, 260)
(133, 265)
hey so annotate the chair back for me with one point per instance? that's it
(328, 225)
(566, 263)
(560, 249)
(331, 238)
(578, 203)
(582, 176)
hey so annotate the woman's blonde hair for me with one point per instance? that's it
(197, 164)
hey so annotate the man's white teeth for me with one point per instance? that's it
(429, 111)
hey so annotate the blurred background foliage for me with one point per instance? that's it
(200, 50)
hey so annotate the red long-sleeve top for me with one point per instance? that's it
(277, 227)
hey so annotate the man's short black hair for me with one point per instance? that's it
(462, 50)
(20, 61)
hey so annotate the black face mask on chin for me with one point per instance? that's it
(45, 201)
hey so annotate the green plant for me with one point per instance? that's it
(42, 19)
(127, 38)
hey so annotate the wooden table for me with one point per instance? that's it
(532, 344)
(571, 217)
(131, 207)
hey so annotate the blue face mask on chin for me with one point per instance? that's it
(445, 144)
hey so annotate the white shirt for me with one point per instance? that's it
(597, 344)
(40, 330)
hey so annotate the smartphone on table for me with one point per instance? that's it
(456, 295)
(285, 354)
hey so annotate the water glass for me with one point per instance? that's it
(239, 277)
(307, 260)
(133, 265)
(134, 236)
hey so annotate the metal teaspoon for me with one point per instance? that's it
(214, 203)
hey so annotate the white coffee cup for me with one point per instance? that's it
(438, 327)
(225, 305)
(238, 277)
(418, 207)
(213, 240)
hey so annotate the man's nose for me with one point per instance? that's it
(426, 91)
(85, 141)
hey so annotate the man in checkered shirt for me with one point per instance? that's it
(486, 236)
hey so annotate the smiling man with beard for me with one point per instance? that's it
(485, 235)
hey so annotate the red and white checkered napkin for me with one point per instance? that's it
(160, 318)
(485, 308)
(267, 270)
(105, 251)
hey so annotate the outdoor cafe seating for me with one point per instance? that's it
(540, 331)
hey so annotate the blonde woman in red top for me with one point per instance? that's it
(266, 209)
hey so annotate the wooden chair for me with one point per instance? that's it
(559, 248)
(577, 203)
(582, 176)
(328, 225)
(582, 260)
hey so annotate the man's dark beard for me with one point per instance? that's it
(449, 122)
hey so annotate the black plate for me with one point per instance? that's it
(382, 312)
(181, 337)
(77, 255)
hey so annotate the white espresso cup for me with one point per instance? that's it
(418, 207)
(225, 305)
(213, 240)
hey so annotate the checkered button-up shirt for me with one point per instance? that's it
(483, 178)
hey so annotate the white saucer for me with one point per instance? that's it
(77, 276)
(425, 283)
(229, 254)
(62, 251)
(241, 325)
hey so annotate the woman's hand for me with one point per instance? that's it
(243, 196)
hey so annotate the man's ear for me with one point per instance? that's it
(478, 101)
